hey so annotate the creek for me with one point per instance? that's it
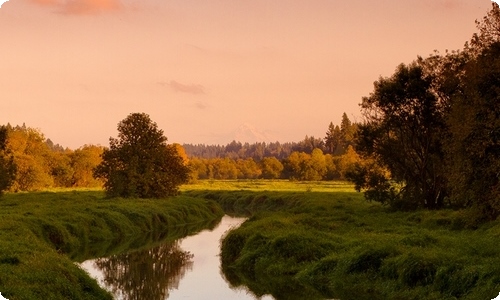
(185, 268)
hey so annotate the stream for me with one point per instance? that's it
(186, 268)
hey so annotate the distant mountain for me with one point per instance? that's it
(247, 133)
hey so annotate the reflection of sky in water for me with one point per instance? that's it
(204, 280)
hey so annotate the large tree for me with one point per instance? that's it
(402, 131)
(139, 163)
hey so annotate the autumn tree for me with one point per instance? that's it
(7, 166)
(61, 169)
(32, 157)
(271, 168)
(223, 168)
(139, 163)
(306, 167)
(248, 168)
(198, 169)
(83, 161)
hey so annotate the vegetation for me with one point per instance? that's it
(41, 164)
(140, 163)
(35, 163)
(42, 232)
(320, 240)
(7, 167)
(431, 132)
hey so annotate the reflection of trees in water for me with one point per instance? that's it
(146, 274)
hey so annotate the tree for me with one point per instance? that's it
(32, 157)
(332, 139)
(247, 169)
(346, 161)
(489, 31)
(347, 132)
(271, 167)
(139, 163)
(7, 166)
(402, 131)
(83, 161)
(306, 167)
(223, 168)
(473, 144)
(198, 169)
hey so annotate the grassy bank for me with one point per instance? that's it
(41, 234)
(325, 241)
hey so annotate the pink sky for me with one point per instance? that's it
(200, 69)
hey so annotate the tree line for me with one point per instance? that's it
(336, 142)
(32, 162)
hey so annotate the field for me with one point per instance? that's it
(311, 240)
(42, 234)
(322, 240)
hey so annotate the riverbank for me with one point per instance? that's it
(325, 241)
(42, 234)
(302, 241)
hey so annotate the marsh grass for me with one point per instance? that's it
(43, 233)
(327, 238)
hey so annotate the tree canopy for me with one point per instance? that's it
(431, 131)
(7, 167)
(139, 163)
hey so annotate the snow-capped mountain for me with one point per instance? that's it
(247, 133)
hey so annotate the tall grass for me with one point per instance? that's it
(328, 242)
(41, 234)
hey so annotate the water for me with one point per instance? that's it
(187, 268)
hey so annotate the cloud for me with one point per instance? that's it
(195, 89)
(201, 105)
(81, 7)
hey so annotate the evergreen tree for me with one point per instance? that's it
(332, 139)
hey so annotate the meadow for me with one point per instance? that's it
(323, 240)
(303, 240)
(43, 234)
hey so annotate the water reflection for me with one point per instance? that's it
(146, 274)
(187, 268)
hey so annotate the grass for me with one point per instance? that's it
(322, 240)
(43, 233)
(302, 241)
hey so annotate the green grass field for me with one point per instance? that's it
(43, 233)
(323, 240)
(311, 240)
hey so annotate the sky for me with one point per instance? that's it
(200, 69)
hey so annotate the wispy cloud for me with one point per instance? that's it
(201, 105)
(195, 89)
(81, 7)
